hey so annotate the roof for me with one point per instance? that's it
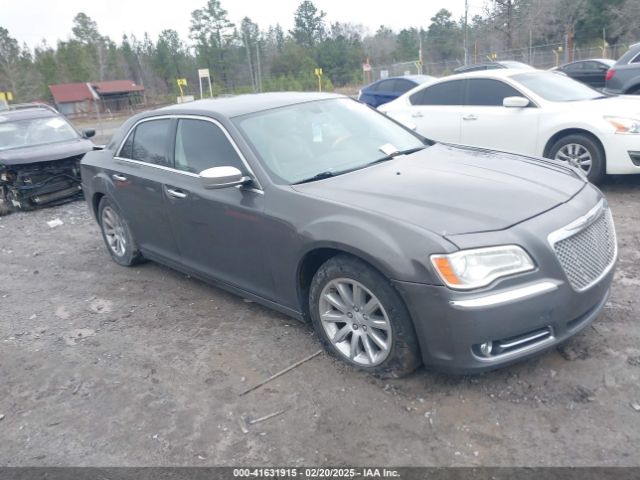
(78, 92)
(494, 73)
(244, 104)
(72, 92)
(26, 114)
(117, 86)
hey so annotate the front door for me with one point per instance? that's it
(487, 123)
(219, 231)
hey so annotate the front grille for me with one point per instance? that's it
(586, 255)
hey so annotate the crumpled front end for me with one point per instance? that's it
(31, 185)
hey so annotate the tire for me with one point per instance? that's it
(571, 147)
(117, 235)
(362, 328)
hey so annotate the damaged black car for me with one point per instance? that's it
(40, 155)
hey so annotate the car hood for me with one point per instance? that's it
(620, 106)
(46, 152)
(454, 190)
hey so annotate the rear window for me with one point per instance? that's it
(149, 142)
(446, 93)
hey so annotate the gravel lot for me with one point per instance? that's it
(102, 365)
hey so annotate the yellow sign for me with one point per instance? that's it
(6, 96)
(318, 72)
(182, 82)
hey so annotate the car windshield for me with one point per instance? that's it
(556, 88)
(34, 131)
(323, 138)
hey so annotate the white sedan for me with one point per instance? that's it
(528, 112)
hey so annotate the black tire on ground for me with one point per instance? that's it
(131, 254)
(404, 352)
(598, 166)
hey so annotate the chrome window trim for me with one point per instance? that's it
(507, 296)
(188, 117)
(580, 224)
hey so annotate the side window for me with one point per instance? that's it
(402, 86)
(150, 142)
(201, 145)
(446, 93)
(385, 86)
(636, 60)
(573, 67)
(488, 93)
(127, 148)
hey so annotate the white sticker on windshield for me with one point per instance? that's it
(55, 123)
(317, 133)
(387, 149)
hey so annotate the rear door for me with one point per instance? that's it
(138, 175)
(592, 73)
(437, 111)
(219, 231)
(487, 123)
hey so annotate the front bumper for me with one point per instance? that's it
(620, 151)
(521, 315)
(451, 325)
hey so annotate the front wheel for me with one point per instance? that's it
(581, 152)
(361, 319)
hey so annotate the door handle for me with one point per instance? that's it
(417, 115)
(119, 178)
(176, 193)
(469, 117)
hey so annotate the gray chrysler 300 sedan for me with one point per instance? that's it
(396, 249)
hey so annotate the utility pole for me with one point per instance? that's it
(246, 44)
(259, 67)
(420, 55)
(466, 39)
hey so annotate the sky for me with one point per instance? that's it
(31, 21)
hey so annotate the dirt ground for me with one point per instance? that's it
(102, 365)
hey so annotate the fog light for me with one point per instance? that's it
(486, 349)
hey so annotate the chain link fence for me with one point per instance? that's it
(539, 56)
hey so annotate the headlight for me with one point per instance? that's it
(624, 125)
(479, 267)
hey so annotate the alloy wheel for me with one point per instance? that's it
(576, 155)
(114, 231)
(355, 322)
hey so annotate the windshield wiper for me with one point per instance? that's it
(329, 174)
(395, 154)
(319, 176)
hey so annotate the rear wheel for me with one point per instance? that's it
(116, 234)
(582, 152)
(361, 319)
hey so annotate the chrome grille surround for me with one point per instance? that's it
(587, 247)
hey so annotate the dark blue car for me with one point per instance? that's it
(388, 89)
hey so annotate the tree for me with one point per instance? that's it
(309, 27)
(213, 32)
(9, 66)
(444, 37)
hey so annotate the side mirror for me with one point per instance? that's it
(515, 102)
(222, 177)
(88, 132)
